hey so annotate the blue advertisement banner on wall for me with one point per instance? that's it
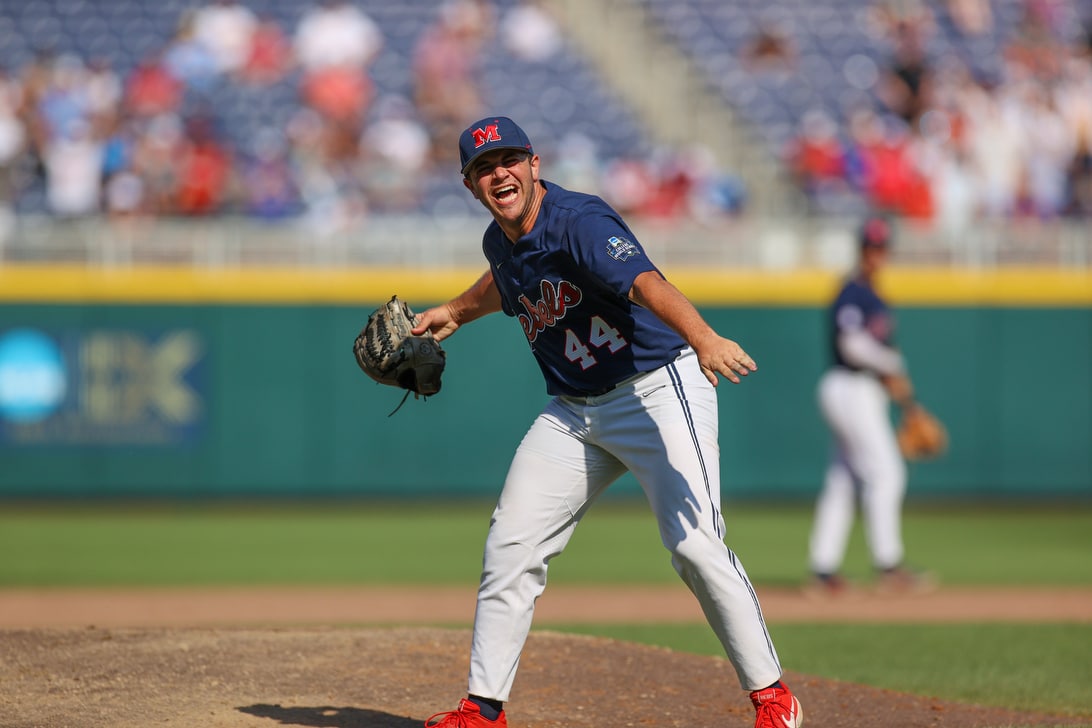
(108, 400)
(101, 386)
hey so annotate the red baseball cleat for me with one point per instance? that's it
(777, 708)
(902, 581)
(822, 587)
(467, 716)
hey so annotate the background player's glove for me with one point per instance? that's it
(390, 354)
(920, 434)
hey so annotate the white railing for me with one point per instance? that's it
(428, 242)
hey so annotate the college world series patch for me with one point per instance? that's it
(621, 249)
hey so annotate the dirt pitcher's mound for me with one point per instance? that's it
(395, 678)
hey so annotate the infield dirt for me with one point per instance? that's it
(182, 658)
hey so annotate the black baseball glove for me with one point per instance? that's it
(390, 354)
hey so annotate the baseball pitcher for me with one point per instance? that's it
(632, 368)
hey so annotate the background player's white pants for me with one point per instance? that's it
(662, 426)
(865, 455)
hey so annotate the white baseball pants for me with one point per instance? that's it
(662, 426)
(865, 455)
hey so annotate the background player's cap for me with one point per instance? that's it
(875, 233)
(493, 132)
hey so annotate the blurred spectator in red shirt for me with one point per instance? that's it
(340, 94)
(674, 181)
(335, 43)
(204, 171)
(628, 185)
(885, 167)
(815, 157)
(151, 89)
(270, 53)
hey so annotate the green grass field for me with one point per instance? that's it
(1023, 666)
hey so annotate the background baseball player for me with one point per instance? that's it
(868, 372)
(632, 367)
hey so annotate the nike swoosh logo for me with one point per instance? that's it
(794, 712)
(653, 390)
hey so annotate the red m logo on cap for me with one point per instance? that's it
(488, 134)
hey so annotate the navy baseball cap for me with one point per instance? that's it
(875, 233)
(493, 132)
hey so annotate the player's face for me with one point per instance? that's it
(505, 182)
(872, 259)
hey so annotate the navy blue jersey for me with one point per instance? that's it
(568, 282)
(858, 306)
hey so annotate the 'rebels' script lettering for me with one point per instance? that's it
(488, 134)
(549, 309)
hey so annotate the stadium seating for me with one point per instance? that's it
(555, 98)
(836, 57)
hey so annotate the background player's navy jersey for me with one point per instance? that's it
(568, 281)
(859, 307)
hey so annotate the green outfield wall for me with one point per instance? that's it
(181, 384)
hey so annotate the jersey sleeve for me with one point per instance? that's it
(862, 336)
(858, 348)
(604, 245)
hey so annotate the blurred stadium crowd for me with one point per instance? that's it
(999, 126)
(333, 110)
